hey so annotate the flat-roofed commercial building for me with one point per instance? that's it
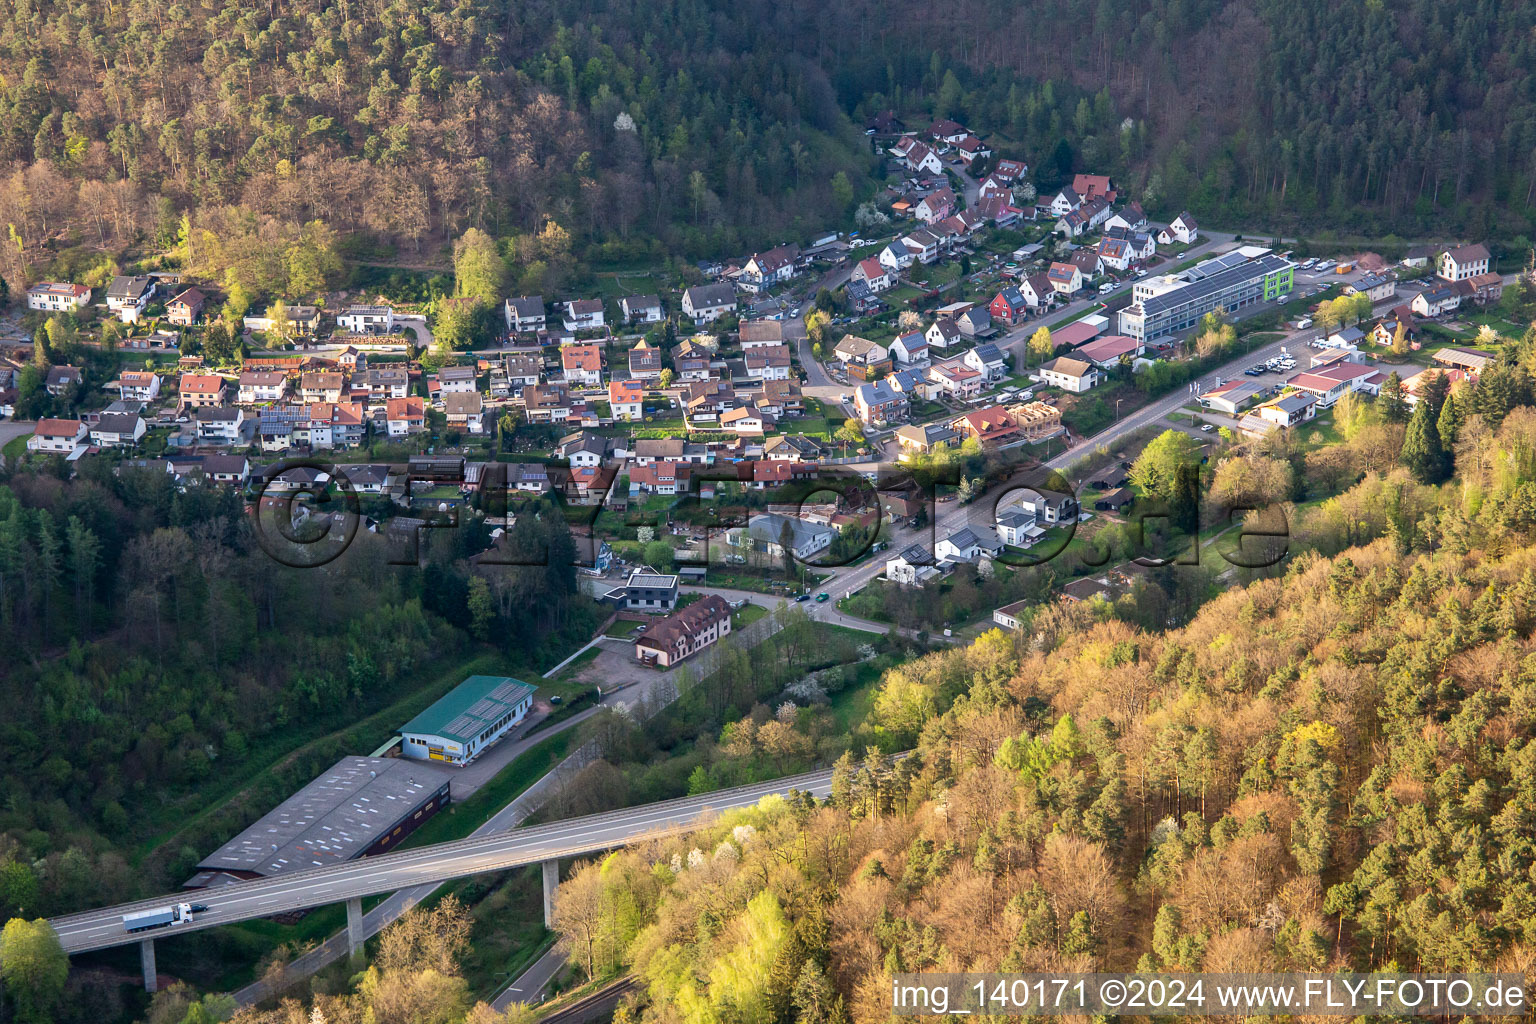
(358, 806)
(469, 718)
(1171, 304)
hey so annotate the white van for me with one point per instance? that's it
(1105, 289)
(1303, 323)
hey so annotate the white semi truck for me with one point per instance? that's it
(161, 917)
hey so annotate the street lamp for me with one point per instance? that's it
(1117, 409)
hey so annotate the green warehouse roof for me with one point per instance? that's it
(468, 709)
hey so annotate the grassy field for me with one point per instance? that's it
(15, 447)
(748, 614)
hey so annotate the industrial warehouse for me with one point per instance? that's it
(467, 720)
(1176, 302)
(360, 806)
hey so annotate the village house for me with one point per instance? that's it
(791, 448)
(135, 386)
(583, 315)
(1065, 278)
(991, 425)
(58, 436)
(55, 297)
(1062, 203)
(658, 478)
(1282, 413)
(913, 567)
(956, 380)
(1093, 186)
(1436, 300)
(935, 206)
(117, 430)
(1130, 217)
(642, 309)
(220, 424)
(1038, 291)
(768, 363)
(909, 349)
(943, 333)
(1115, 253)
(1182, 231)
(1069, 374)
(706, 302)
(874, 274)
(914, 383)
(366, 319)
(1008, 306)
(626, 399)
(968, 544)
(60, 379)
(879, 404)
(465, 412)
(987, 360)
(923, 246)
(128, 296)
(923, 438)
(1105, 352)
(970, 149)
(522, 371)
(862, 358)
(684, 633)
(456, 380)
(747, 421)
(200, 389)
(1463, 261)
(322, 386)
(766, 269)
(1377, 287)
(706, 401)
(645, 362)
(780, 398)
(547, 403)
(525, 314)
(760, 334)
(917, 156)
(333, 425)
(582, 365)
(404, 416)
(261, 386)
(184, 309)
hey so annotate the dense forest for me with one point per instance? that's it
(686, 128)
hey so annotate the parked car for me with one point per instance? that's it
(1206, 428)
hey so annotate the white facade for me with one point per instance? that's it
(55, 297)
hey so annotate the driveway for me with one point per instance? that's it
(12, 429)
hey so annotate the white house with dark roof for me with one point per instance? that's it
(1463, 261)
(706, 302)
(525, 314)
(642, 309)
(128, 296)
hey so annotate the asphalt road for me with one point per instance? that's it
(103, 928)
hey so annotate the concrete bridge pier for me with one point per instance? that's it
(147, 957)
(551, 883)
(355, 936)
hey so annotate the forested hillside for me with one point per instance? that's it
(691, 128)
(158, 661)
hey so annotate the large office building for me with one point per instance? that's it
(1172, 303)
(469, 718)
(359, 806)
